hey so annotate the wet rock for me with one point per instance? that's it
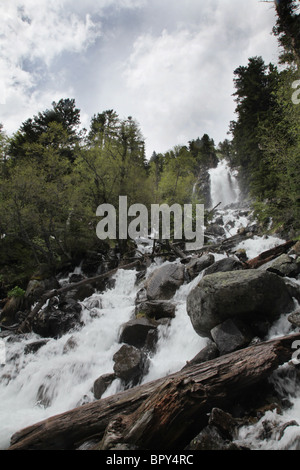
(294, 318)
(37, 287)
(34, 346)
(218, 434)
(224, 265)
(164, 281)
(135, 332)
(70, 345)
(9, 313)
(285, 265)
(225, 422)
(210, 351)
(231, 335)
(211, 439)
(57, 318)
(156, 309)
(243, 294)
(130, 364)
(101, 384)
(293, 288)
(197, 265)
(215, 230)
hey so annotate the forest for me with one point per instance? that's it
(54, 174)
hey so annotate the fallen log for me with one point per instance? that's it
(163, 414)
(269, 255)
(25, 326)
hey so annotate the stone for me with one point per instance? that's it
(101, 384)
(209, 352)
(130, 364)
(164, 282)
(34, 346)
(57, 318)
(197, 265)
(244, 294)
(135, 332)
(224, 265)
(294, 318)
(285, 265)
(156, 309)
(230, 336)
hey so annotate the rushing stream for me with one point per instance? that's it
(57, 378)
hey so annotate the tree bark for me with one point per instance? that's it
(269, 255)
(163, 414)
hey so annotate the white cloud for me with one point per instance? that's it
(168, 64)
(33, 36)
(181, 81)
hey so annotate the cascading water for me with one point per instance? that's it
(224, 185)
(60, 375)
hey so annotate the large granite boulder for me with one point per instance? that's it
(247, 294)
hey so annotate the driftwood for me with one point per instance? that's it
(26, 324)
(269, 255)
(163, 414)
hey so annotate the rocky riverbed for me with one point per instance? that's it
(165, 315)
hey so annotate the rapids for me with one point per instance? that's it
(56, 378)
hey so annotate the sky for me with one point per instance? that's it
(167, 63)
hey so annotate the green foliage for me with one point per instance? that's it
(16, 292)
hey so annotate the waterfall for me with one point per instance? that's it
(224, 185)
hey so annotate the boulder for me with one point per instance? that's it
(215, 230)
(218, 434)
(37, 287)
(57, 318)
(196, 265)
(156, 309)
(135, 332)
(231, 335)
(294, 318)
(285, 265)
(9, 313)
(130, 364)
(245, 294)
(164, 281)
(34, 346)
(209, 352)
(224, 265)
(101, 384)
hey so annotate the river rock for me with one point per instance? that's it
(164, 281)
(245, 294)
(130, 364)
(285, 265)
(156, 309)
(196, 265)
(231, 335)
(210, 351)
(37, 287)
(135, 332)
(224, 265)
(9, 313)
(294, 318)
(57, 318)
(101, 384)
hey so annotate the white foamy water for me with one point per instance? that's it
(64, 376)
(178, 342)
(224, 185)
